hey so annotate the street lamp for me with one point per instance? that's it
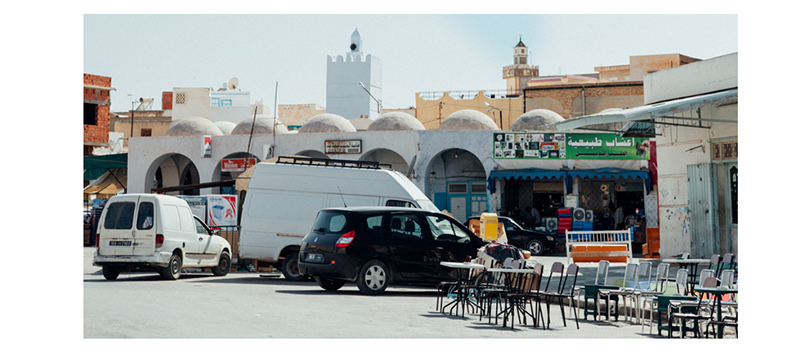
(501, 113)
(370, 95)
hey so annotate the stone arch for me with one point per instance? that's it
(313, 154)
(457, 182)
(172, 169)
(387, 156)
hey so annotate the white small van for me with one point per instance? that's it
(149, 232)
(283, 199)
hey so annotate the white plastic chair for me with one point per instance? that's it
(655, 288)
(681, 286)
(631, 274)
(599, 279)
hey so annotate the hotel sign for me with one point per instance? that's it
(343, 147)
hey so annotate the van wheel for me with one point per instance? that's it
(291, 269)
(373, 278)
(329, 284)
(223, 267)
(110, 272)
(173, 270)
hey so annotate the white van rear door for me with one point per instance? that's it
(144, 233)
(116, 230)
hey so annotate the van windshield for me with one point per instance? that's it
(119, 215)
(331, 222)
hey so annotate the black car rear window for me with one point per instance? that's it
(332, 222)
(119, 215)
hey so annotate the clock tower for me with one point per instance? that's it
(517, 75)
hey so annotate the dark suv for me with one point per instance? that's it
(538, 243)
(378, 246)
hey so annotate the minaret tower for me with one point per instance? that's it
(346, 74)
(517, 75)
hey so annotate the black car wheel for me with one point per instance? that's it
(373, 278)
(110, 272)
(536, 247)
(329, 284)
(223, 267)
(291, 269)
(173, 270)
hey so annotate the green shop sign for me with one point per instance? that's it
(600, 146)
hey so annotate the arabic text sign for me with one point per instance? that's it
(343, 147)
(519, 145)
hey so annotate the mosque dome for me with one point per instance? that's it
(225, 126)
(193, 126)
(468, 120)
(536, 120)
(396, 121)
(262, 125)
(327, 122)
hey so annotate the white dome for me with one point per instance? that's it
(193, 126)
(262, 125)
(468, 120)
(225, 126)
(396, 121)
(536, 120)
(327, 122)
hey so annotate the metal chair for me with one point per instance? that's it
(600, 279)
(696, 311)
(654, 289)
(631, 274)
(565, 292)
(680, 290)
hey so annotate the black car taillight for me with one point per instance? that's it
(346, 239)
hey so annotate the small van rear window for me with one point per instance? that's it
(145, 219)
(119, 215)
(331, 222)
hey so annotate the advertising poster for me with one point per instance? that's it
(221, 210)
(512, 145)
(206, 146)
(197, 204)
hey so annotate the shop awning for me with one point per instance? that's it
(95, 166)
(531, 174)
(110, 183)
(646, 115)
(611, 173)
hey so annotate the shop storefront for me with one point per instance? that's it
(595, 172)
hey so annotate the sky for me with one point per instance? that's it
(146, 54)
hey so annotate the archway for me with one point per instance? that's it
(172, 170)
(386, 156)
(458, 183)
(231, 172)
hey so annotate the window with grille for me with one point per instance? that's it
(146, 132)
(458, 188)
(180, 98)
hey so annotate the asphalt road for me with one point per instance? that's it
(249, 305)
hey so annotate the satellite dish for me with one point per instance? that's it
(233, 83)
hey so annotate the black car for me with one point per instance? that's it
(538, 243)
(378, 246)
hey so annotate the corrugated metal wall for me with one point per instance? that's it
(703, 210)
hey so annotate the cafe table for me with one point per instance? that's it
(718, 292)
(691, 266)
(463, 276)
(509, 280)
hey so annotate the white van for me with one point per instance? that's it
(283, 199)
(149, 232)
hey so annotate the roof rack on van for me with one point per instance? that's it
(332, 162)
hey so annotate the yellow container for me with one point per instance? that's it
(489, 226)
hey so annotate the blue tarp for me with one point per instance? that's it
(532, 173)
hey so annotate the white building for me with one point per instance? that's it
(345, 95)
(227, 104)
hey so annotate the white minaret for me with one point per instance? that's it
(345, 95)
